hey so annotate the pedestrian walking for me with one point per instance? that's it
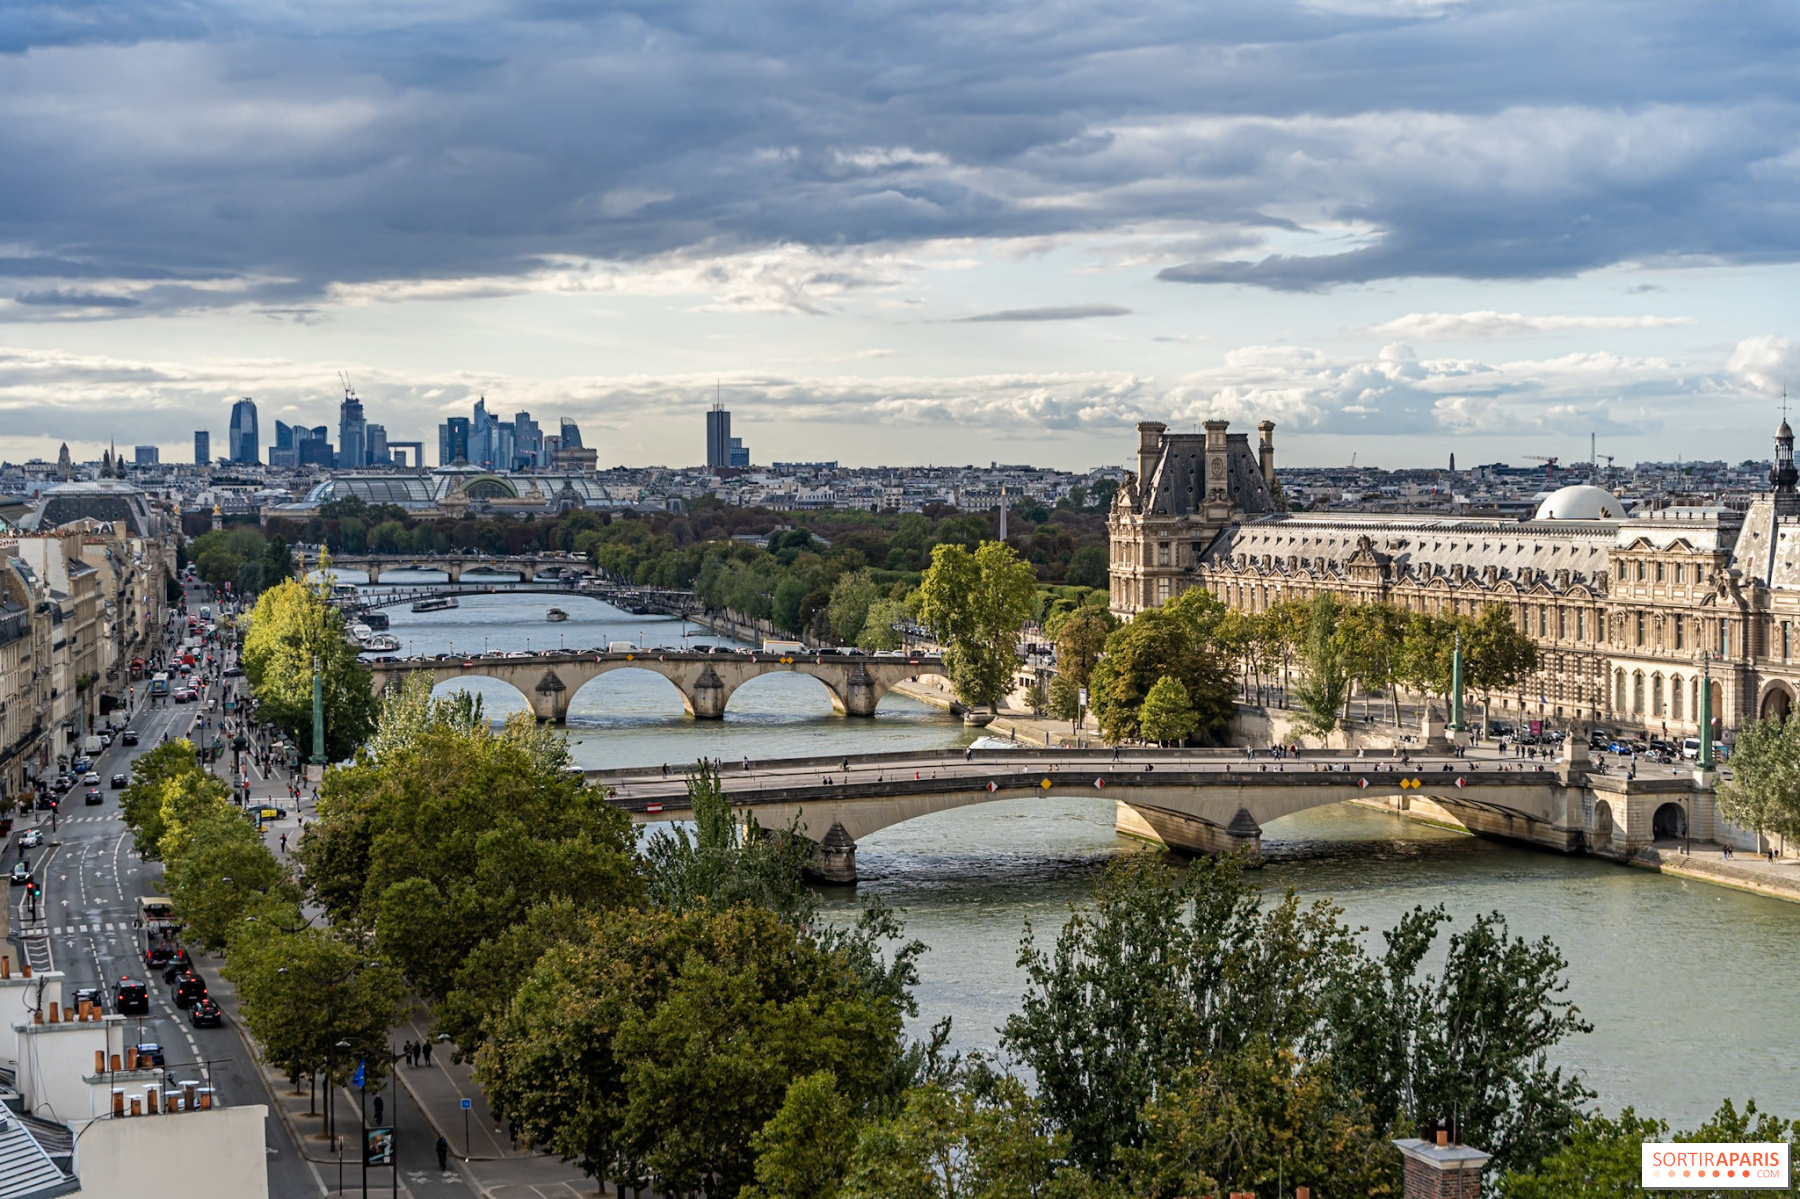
(284, 843)
(512, 1132)
(378, 1104)
(443, 1152)
(427, 1047)
(407, 1052)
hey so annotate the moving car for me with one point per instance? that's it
(149, 1054)
(205, 1014)
(128, 737)
(121, 781)
(21, 874)
(131, 998)
(88, 995)
(31, 838)
(188, 988)
(94, 796)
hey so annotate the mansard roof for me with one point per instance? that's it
(1177, 487)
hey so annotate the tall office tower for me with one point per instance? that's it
(202, 447)
(571, 434)
(313, 446)
(283, 453)
(244, 447)
(738, 453)
(453, 441)
(528, 440)
(375, 437)
(353, 445)
(718, 435)
(147, 455)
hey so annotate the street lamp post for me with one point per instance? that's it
(1705, 759)
(318, 715)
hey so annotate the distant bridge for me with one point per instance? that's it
(548, 681)
(526, 566)
(1196, 801)
(632, 599)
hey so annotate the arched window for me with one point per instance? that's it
(1656, 695)
(1637, 693)
(1619, 692)
(1675, 696)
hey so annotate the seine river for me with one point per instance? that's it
(1693, 990)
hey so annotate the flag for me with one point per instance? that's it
(356, 1080)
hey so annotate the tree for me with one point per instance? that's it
(452, 838)
(1326, 687)
(301, 992)
(975, 604)
(1164, 970)
(614, 1033)
(1081, 640)
(976, 1136)
(882, 626)
(1472, 1042)
(1763, 792)
(727, 862)
(215, 881)
(1372, 636)
(1261, 1120)
(1497, 654)
(143, 800)
(1167, 715)
(1064, 699)
(803, 1152)
(852, 596)
(1159, 642)
(290, 627)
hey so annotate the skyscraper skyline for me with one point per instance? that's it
(352, 440)
(202, 447)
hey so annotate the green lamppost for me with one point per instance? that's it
(1705, 761)
(318, 721)
(1456, 686)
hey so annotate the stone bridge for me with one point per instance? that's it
(548, 681)
(526, 566)
(1193, 801)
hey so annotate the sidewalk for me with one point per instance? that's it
(1747, 871)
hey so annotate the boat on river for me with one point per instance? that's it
(435, 603)
(555, 614)
(379, 643)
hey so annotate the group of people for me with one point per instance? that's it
(416, 1053)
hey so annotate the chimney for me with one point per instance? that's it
(1265, 454)
(99, 1061)
(5, 966)
(55, 1012)
(25, 970)
(115, 1063)
(1436, 1166)
(1150, 434)
(206, 1099)
(118, 1102)
(187, 1096)
(1218, 487)
(137, 1105)
(150, 1101)
(131, 1058)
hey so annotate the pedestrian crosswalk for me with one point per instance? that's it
(105, 926)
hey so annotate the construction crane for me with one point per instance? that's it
(1549, 466)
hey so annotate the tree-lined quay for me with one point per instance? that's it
(1189, 1034)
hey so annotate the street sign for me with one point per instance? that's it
(467, 1104)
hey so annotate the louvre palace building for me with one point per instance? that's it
(1622, 607)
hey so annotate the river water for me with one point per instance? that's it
(1693, 990)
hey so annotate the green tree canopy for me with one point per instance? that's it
(1763, 792)
(615, 1034)
(1167, 715)
(451, 838)
(291, 625)
(1325, 687)
(1158, 643)
(976, 604)
(1080, 640)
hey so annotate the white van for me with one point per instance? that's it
(621, 647)
(783, 647)
(92, 744)
(1690, 749)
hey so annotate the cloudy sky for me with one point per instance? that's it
(905, 233)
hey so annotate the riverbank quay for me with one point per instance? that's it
(1744, 871)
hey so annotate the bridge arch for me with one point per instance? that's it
(1669, 820)
(623, 682)
(479, 684)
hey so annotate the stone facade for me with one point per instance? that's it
(1621, 607)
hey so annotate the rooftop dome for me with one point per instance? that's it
(1580, 503)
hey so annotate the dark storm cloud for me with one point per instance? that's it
(247, 152)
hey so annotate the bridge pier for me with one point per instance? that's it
(706, 699)
(860, 695)
(373, 571)
(834, 857)
(453, 570)
(1188, 834)
(550, 699)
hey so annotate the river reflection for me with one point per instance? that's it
(1690, 987)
